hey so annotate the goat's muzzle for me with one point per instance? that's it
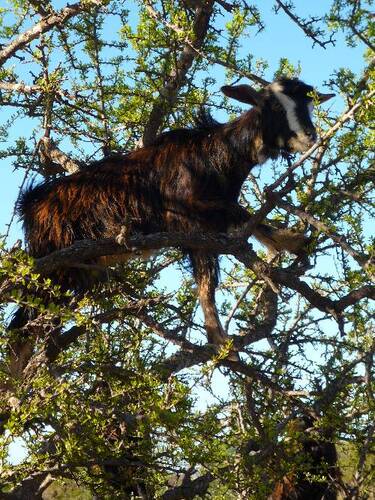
(302, 141)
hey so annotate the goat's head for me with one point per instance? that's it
(285, 108)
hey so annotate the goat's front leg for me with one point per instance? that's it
(237, 217)
(275, 239)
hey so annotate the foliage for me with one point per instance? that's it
(121, 395)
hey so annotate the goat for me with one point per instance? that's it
(319, 460)
(186, 180)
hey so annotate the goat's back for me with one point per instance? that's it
(91, 203)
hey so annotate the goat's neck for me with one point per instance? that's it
(246, 142)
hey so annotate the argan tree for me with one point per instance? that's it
(122, 396)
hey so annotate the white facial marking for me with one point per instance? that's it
(290, 109)
(310, 107)
(301, 142)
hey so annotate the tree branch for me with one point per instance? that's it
(20, 88)
(212, 60)
(177, 77)
(363, 260)
(189, 488)
(52, 155)
(220, 244)
(306, 26)
(44, 25)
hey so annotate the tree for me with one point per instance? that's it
(113, 396)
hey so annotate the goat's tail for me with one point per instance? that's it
(281, 239)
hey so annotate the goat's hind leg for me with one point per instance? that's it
(205, 267)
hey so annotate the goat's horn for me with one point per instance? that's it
(258, 79)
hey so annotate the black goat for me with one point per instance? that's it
(187, 180)
(318, 457)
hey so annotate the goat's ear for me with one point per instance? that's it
(324, 97)
(242, 93)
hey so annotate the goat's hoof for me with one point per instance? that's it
(123, 237)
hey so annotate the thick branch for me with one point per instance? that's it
(52, 155)
(176, 79)
(211, 59)
(220, 244)
(20, 88)
(189, 489)
(365, 291)
(90, 249)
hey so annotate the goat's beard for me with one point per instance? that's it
(299, 143)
